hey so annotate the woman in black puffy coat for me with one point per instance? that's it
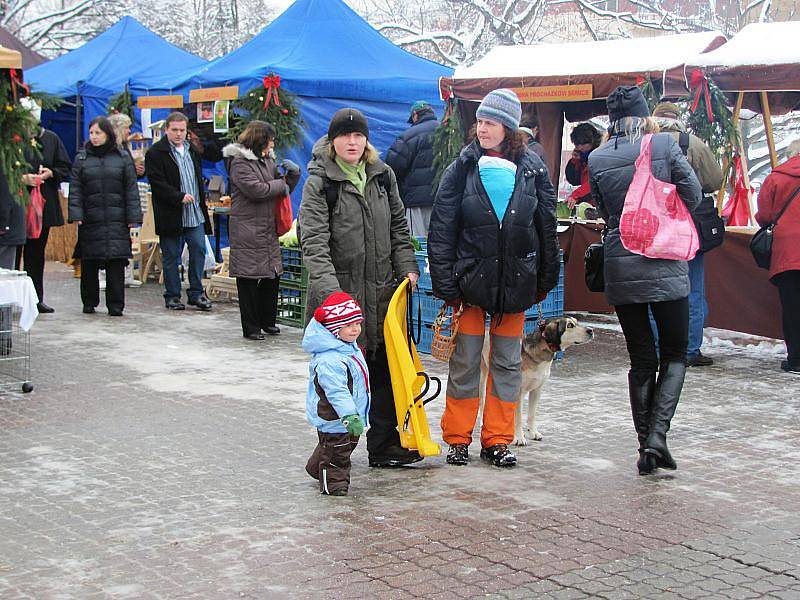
(493, 249)
(635, 284)
(104, 201)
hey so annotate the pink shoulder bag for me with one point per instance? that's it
(655, 222)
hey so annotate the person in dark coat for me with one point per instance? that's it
(706, 219)
(531, 130)
(585, 138)
(51, 168)
(173, 168)
(492, 248)
(784, 269)
(104, 202)
(12, 225)
(635, 283)
(411, 159)
(255, 255)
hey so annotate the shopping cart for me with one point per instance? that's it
(15, 351)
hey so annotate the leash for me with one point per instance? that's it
(418, 400)
(410, 317)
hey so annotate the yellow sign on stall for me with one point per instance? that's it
(555, 93)
(160, 102)
(214, 93)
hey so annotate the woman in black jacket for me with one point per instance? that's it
(104, 201)
(492, 247)
(635, 283)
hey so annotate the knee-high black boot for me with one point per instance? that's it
(665, 401)
(641, 386)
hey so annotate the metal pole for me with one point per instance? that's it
(78, 128)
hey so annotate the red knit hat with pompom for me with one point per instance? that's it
(338, 310)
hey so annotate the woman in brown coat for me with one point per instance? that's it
(255, 258)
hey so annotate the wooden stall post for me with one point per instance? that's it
(773, 155)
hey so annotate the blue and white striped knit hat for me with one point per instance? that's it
(502, 106)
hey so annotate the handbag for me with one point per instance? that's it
(33, 218)
(283, 215)
(761, 244)
(593, 265)
(655, 222)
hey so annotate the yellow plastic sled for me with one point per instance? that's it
(410, 384)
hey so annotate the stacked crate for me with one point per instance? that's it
(293, 289)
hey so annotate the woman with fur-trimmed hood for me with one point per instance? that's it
(255, 259)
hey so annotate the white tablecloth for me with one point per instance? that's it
(19, 290)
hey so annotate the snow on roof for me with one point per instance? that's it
(756, 44)
(635, 55)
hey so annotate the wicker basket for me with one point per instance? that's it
(445, 330)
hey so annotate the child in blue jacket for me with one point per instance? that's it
(338, 390)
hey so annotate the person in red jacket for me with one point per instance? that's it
(776, 192)
(586, 137)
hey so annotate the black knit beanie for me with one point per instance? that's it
(347, 120)
(626, 101)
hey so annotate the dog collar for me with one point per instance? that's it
(554, 347)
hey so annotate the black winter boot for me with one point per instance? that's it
(641, 385)
(665, 401)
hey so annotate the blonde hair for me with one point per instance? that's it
(793, 149)
(370, 156)
(635, 127)
(120, 121)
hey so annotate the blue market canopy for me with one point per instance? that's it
(320, 48)
(102, 67)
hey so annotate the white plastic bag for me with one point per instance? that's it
(210, 263)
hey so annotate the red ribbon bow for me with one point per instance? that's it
(271, 84)
(447, 96)
(699, 82)
(16, 80)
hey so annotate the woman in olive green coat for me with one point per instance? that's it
(355, 239)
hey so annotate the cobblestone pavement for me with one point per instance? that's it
(161, 456)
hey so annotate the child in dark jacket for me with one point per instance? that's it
(338, 390)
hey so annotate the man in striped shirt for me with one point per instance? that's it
(179, 207)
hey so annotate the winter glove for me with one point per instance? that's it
(454, 303)
(353, 424)
(540, 297)
(290, 166)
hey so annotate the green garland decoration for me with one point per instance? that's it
(278, 108)
(122, 103)
(720, 134)
(18, 129)
(448, 140)
(649, 91)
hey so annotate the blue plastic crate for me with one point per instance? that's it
(428, 304)
(424, 282)
(425, 339)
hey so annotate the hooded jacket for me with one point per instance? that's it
(255, 188)
(632, 278)
(773, 196)
(104, 196)
(472, 258)
(411, 159)
(362, 247)
(335, 368)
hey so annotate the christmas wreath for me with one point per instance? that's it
(710, 118)
(122, 103)
(18, 129)
(448, 139)
(271, 103)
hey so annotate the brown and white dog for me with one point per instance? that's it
(538, 350)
